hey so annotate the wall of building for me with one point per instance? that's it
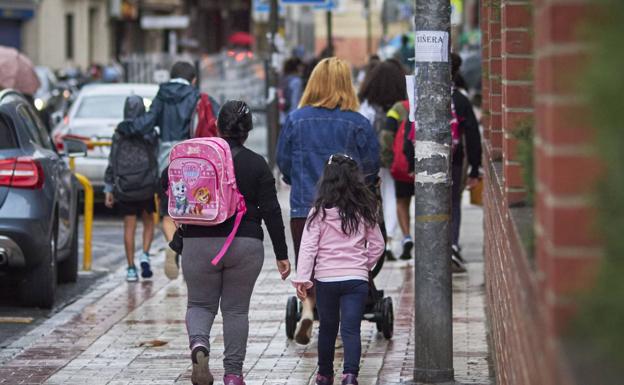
(349, 31)
(46, 40)
(532, 63)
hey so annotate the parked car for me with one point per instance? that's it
(38, 205)
(50, 99)
(93, 118)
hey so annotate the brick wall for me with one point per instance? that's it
(530, 302)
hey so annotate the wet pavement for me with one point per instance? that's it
(134, 333)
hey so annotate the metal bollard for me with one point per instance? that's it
(88, 214)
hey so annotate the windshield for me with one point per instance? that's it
(104, 107)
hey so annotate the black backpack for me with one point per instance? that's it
(135, 167)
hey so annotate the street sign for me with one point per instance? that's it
(165, 22)
(304, 2)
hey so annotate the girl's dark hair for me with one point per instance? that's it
(342, 186)
(385, 85)
(234, 120)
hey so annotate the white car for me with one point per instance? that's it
(93, 118)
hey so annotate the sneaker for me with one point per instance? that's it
(131, 274)
(233, 379)
(390, 255)
(408, 244)
(303, 334)
(146, 270)
(349, 379)
(457, 265)
(171, 264)
(201, 372)
(324, 380)
(456, 252)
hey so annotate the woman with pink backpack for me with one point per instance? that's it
(222, 260)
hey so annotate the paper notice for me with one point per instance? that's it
(410, 82)
(431, 46)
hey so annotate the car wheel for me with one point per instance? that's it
(39, 285)
(68, 269)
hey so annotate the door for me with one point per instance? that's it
(57, 174)
(11, 33)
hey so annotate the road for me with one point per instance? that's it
(108, 258)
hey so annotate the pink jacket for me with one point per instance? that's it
(336, 253)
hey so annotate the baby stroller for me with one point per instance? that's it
(378, 309)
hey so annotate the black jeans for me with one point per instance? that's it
(340, 304)
(457, 173)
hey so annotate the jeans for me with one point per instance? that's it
(336, 300)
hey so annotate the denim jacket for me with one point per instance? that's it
(309, 136)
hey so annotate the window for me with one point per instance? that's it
(7, 136)
(69, 36)
(102, 107)
(29, 125)
(44, 136)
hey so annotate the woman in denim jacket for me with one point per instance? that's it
(326, 123)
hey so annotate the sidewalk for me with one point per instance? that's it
(124, 333)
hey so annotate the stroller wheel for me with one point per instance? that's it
(387, 319)
(291, 316)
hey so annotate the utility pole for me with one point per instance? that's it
(433, 326)
(272, 111)
(369, 27)
(330, 37)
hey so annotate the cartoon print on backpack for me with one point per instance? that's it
(181, 201)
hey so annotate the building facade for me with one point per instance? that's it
(14, 16)
(68, 33)
(542, 252)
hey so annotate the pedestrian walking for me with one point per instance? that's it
(327, 122)
(229, 283)
(384, 87)
(466, 144)
(341, 243)
(291, 86)
(175, 111)
(392, 152)
(131, 182)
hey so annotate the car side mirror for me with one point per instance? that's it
(75, 148)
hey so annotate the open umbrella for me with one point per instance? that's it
(240, 38)
(17, 72)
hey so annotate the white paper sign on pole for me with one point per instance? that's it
(410, 81)
(431, 46)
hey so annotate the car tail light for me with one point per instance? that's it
(58, 139)
(21, 172)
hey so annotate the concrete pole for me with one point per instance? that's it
(433, 356)
(272, 82)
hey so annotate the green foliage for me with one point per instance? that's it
(601, 316)
(524, 134)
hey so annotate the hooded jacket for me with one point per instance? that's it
(327, 252)
(172, 111)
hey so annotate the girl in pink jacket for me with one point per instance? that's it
(340, 245)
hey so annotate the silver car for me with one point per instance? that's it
(93, 119)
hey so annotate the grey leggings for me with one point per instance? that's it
(231, 283)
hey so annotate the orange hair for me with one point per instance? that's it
(330, 86)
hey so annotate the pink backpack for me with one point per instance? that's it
(202, 186)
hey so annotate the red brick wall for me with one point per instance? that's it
(541, 55)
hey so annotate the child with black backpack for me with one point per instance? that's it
(131, 181)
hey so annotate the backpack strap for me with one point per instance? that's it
(240, 212)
